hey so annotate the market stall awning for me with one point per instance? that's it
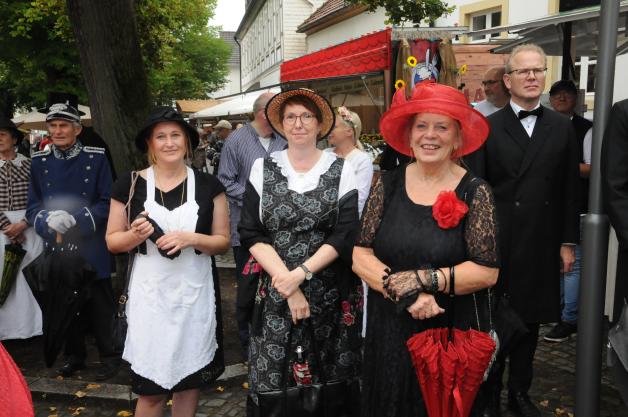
(547, 32)
(368, 53)
(231, 106)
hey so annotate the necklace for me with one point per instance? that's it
(161, 194)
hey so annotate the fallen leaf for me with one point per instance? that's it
(77, 411)
(544, 403)
(570, 414)
(92, 386)
(245, 385)
(559, 411)
(52, 408)
(220, 388)
(59, 378)
(169, 403)
(53, 415)
(124, 413)
(43, 396)
(80, 394)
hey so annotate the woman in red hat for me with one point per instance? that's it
(423, 223)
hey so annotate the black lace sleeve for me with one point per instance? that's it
(481, 228)
(372, 216)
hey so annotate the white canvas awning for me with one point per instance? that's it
(236, 105)
(547, 32)
(35, 120)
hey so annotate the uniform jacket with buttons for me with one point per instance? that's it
(535, 184)
(80, 184)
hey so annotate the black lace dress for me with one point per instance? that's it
(405, 236)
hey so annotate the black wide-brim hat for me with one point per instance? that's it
(55, 97)
(159, 115)
(6, 123)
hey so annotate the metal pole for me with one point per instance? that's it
(567, 60)
(595, 233)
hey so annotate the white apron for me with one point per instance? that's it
(171, 309)
(20, 315)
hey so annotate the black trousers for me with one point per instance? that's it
(245, 297)
(521, 362)
(97, 315)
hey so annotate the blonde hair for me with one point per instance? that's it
(354, 123)
(526, 47)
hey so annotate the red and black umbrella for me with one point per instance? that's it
(450, 366)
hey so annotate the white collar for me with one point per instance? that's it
(516, 108)
(17, 161)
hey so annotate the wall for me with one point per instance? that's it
(351, 28)
(294, 13)
(232, 86)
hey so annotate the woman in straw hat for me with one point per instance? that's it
(174, 331)
(299, 217)
(423, 223)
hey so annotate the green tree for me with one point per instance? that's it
(414, 12)
(182, 56)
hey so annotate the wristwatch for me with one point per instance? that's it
(308, 273)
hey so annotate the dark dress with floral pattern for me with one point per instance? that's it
(297, 225)
(405, 236)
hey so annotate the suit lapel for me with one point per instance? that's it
(514, 129)
(539, 137)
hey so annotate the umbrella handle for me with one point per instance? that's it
(59, 238)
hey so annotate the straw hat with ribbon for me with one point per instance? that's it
(273, 110)
(430, 97)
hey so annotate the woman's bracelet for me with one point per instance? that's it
(432, 281)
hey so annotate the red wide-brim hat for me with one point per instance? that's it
(431, 97)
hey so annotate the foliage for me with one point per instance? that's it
(183, 57)
(410, 11)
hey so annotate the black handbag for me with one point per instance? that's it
(119, 322)
(324, 399)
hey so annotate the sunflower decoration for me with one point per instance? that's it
(411, 61)
(463, 69)
(399, 84)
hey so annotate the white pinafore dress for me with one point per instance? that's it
(172, 305)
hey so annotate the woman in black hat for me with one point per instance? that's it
(173, 310)
(20, 316)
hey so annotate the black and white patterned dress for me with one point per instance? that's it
(297, 224)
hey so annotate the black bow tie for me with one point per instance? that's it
(536, 112)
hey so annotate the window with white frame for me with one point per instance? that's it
(585, 73)
(485, 20)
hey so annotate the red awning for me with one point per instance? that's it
(368, 53)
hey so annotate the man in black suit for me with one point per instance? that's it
(531, 160)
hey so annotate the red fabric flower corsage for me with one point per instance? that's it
(448, 210)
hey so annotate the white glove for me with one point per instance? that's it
(60, 221)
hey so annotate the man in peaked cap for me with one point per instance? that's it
(88, 135)
(68, 198)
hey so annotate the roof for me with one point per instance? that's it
(547, 32)
(192, 106)
(229, 38)
(328, 11)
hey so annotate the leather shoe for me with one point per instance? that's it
(107, 370)
(69, 368)
(521, 406)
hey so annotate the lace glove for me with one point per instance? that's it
(60, 221)
(402, 285)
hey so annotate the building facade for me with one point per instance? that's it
(232, 86)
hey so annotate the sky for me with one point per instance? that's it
(228, 14)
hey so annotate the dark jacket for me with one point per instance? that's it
(535, 182)
(614, 169)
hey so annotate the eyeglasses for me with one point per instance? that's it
(306, 119)
(489, 82)
(523, 72)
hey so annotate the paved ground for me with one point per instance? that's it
(553, 388)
